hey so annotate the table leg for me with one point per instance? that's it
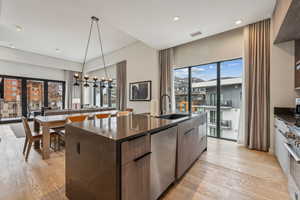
(36, 127)
(46, 142)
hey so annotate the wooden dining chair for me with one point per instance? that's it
(31, 137)
(102, 116)
(62, 132)
(123, 113)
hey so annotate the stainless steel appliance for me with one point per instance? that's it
(163, 161)
(293, 148)
(297, 107)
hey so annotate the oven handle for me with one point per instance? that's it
(293, 154)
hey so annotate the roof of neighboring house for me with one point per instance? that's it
(227, 81)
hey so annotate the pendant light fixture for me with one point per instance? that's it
(85, 81)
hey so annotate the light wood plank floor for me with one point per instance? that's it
(226, 171)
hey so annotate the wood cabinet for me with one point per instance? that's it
(140, 167)
(192, 141)
(136, 179)
(136, 168)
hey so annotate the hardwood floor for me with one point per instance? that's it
(226, 171)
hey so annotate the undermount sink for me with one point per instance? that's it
(173, 116)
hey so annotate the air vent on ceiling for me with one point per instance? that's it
(195, 34)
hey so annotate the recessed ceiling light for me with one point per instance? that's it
(12, 46)
(57, 50)
(238, 22)
(176, 18)
(19, 28)
(195, 34)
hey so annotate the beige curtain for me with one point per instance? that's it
(257, 66)
(165, 65)
(71, 91)
(121, 85)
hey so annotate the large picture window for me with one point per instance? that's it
(214, 88)
(23, 96)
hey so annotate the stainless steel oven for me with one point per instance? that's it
(294, 174)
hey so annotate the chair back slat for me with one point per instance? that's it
(26, 127)
(102, 116)
(79, 118)
(123, 113)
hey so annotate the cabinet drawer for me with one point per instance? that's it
(136, 179)
(135, 148)
(186, 126)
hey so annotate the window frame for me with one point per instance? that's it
(24, 93)
(218, 94)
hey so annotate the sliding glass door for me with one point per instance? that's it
(203, 93)
(230, 98)
(214, 88)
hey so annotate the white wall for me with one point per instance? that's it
(142, 65)
(224, 46)
(27, 70)
(18, 56)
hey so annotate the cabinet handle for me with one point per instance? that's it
(78, 147)
(136, 137)
(141, 157)
(292, 153)
(189, 131)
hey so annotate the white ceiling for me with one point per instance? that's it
(151, 21)
(64, 24)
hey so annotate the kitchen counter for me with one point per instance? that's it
(286, 114)
(135, 157)
(128, 127)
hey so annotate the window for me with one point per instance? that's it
(214, 88)
(181, 84)
(35, 95)
(55, 95)
(24, 96)
(10, 99)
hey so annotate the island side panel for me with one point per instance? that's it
(91, 166)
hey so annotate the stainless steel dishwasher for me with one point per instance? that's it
(163, 158)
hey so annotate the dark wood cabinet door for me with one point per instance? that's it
(186, 144)
(136, 179)
(191, 143)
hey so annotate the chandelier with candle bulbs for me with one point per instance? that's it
(85, 80)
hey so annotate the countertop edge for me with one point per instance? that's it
(152, 131)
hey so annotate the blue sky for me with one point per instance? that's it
(233, 68)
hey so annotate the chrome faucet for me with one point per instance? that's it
(161, 103)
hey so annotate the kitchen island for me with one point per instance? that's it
(135, 157)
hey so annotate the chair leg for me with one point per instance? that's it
(28, 149)
(25, 144)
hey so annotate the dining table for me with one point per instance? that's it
(43, 124)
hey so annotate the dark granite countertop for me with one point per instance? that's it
(286, 114)
(126, 127)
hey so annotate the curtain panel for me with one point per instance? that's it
(165, 68)
(257, 67)
(121, 85)
(71, 90)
